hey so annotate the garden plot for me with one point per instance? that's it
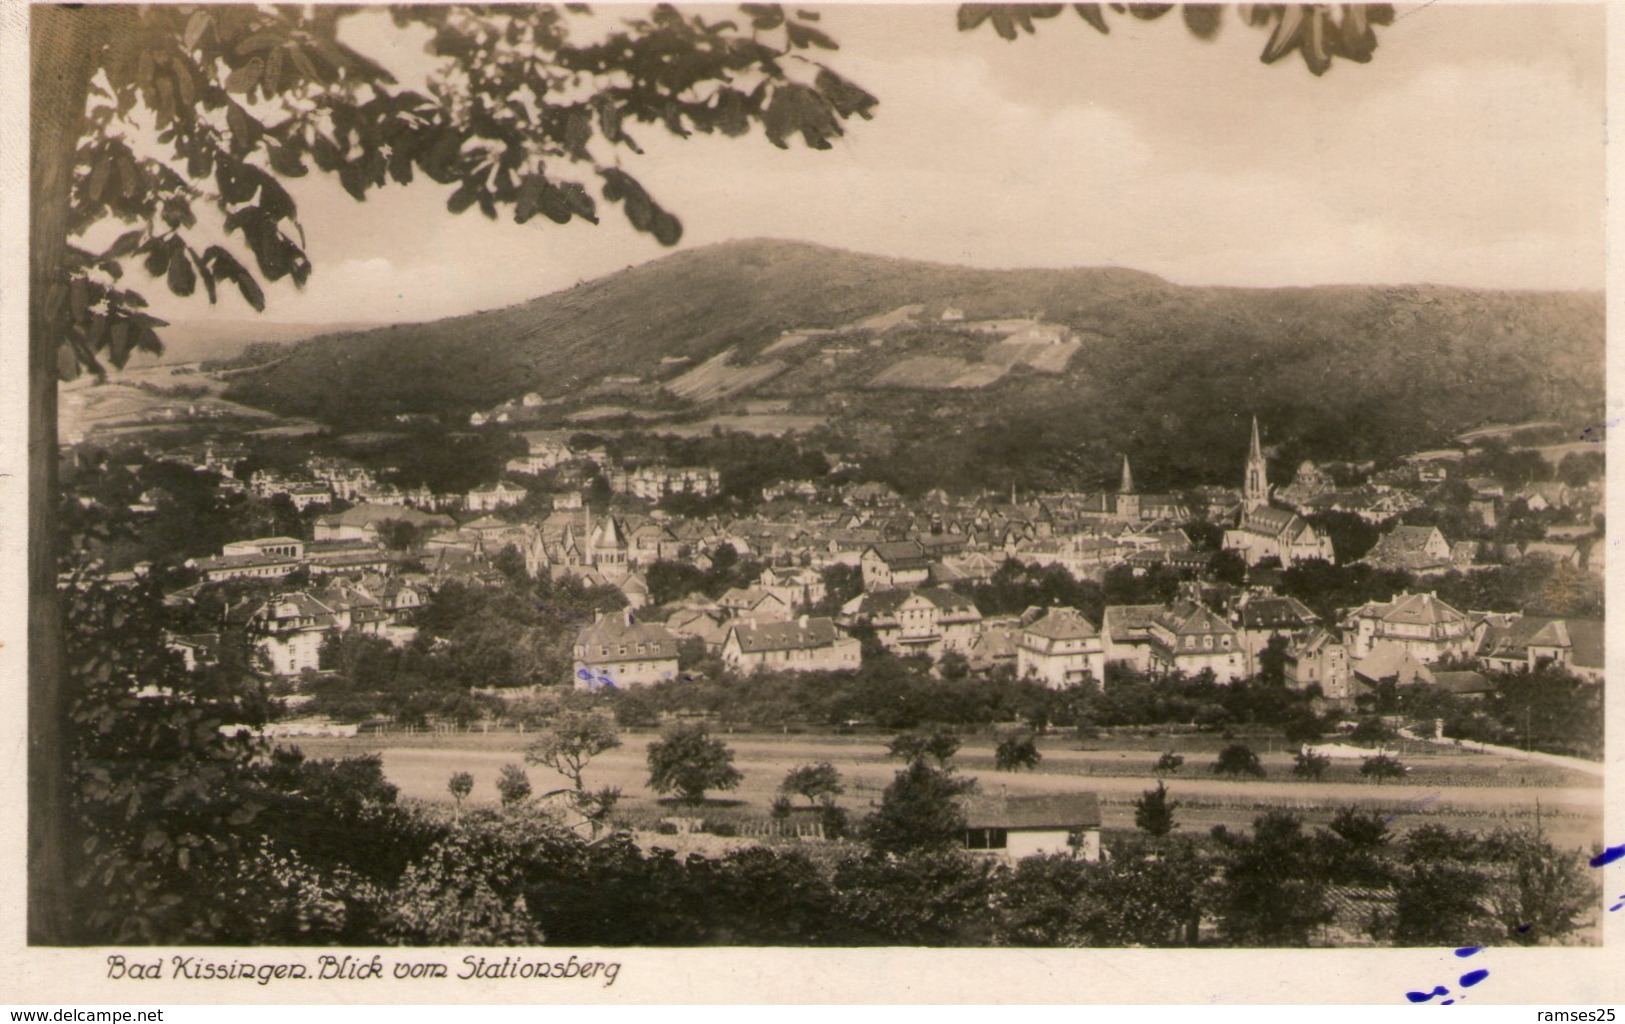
(716, 378)
(1043, 356)
(938, 373)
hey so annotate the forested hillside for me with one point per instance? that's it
(1167, 372)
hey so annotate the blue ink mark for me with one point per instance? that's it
(1466, 951)
(1608, 856)
(1523, 928)
(1447, 1002)
(1619, 904)
(1472, 978)
(1422, 997)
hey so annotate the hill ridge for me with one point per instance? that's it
(1393, 367)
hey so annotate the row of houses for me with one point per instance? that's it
(288, 628)
(1390, 640)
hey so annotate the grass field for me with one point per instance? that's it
(1445, 786)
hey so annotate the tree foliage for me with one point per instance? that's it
(919, 810)
(1319, 33)
(1383, 766)
(571, 740)
(1272, 894)
(459, 786)
(513, 786)
(1238, 759)
(1016, 752)
(688, 761)
(1154, 812)
(936, 743)
(525, 110)
(821, 781)
(1309, 764)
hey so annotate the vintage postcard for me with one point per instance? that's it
(802, 503)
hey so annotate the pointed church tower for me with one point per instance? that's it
(1128, 500)
(1256, 491)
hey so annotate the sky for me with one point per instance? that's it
(1468, 152)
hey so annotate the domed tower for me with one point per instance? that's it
(1255, 491)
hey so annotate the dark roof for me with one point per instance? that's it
(1271, 521)
(1276, 613)
(785, 636)
(1049, 811)
(1416, 609)
(612, 630)
(1406, 538)
(1513, 638)
(1587, 637)
(1463, 682)
(881, 604)
(1184, 618)
(1124, 623)
(901, 554)
(1063, 624)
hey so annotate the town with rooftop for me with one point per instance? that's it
(1389, 652)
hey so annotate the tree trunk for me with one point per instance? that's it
(62, 61)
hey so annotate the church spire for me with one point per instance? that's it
(1127, 486)
(1256, 488)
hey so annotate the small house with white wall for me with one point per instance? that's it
(1014, 827)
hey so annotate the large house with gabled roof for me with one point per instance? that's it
(799, 645)
(930, 620)
(1189, 638)
(617, 651)
(1417, 549)
(1421, 624)
(892, 565)
(1060, 648)
(1524, 643)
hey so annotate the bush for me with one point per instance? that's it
(837, 823)
(513, 786)
(821, 781)
(1154, 812)
(1169, 763)
(1383, 766)
(687, 761)
(1016, 752)
(918, 810)
(1370, 732)
(1310, 765)
(937, 743)
(721, 828)
(781, 807)
(666, 828)
(1301, 729)
(1238, 759)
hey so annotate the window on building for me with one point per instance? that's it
(986, 839)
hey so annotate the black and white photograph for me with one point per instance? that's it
(546, 480)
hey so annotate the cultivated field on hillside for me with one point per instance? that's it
(717, 378)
